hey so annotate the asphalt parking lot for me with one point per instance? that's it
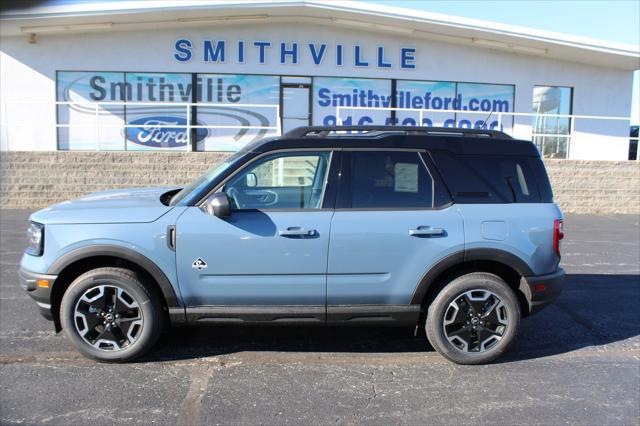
(576, 362)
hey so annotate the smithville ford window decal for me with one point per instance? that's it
(166, 88)
(262, 93)
(292, 53)
(329, 92)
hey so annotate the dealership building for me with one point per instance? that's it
(213, 76)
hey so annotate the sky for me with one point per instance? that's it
(613, 20)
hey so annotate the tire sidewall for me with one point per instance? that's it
(437, 309)
(131, 284)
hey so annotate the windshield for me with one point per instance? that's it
(207, 177)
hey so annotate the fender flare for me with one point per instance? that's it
(488, 254)
(130, 255)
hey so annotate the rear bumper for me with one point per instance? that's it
(29, 281)
(542, 290)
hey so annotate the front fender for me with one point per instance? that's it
(121, 252)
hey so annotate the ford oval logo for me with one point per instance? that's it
(154, 133)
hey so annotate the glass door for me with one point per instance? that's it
(295, 106)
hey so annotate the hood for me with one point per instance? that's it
(117, 206)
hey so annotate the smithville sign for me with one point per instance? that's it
(221, 51)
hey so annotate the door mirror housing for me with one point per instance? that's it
(218, 205)
(252, 180)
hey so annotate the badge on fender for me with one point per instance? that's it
(199, 264)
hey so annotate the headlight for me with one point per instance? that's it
(36, 239)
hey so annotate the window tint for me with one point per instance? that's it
(391, 179)
(483, 179)
(510, 177)
(544, 186)
(281, 181)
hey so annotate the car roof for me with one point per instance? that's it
(457, 141)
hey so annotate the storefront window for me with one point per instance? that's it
(485, 103)
(162, 126)
(552, 133)
(224, 112)
(426, 95)
(239, 125)
(83, 121)
(95, 106)
(351, 94)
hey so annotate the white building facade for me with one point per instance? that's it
(213, 77)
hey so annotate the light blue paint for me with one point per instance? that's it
(529, 233)
(249, 263)
(354, 257)
(374, 260)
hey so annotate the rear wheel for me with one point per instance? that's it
(474, 319)
(111, 314)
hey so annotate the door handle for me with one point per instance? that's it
(426, 231)
(295, 231)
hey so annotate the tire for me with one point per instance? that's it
(134, 323)
(495, 313)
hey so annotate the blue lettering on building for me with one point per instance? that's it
(262, 46)
(290, 52)
(358, 61)
(183, 50)
(408, 58)
(294, 53)
(214, 54)
(381, 62)
(317, 54)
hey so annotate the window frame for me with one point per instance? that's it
(343, 198)
(571, 121)
(329, 189)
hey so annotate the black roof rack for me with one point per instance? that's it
(324, 131)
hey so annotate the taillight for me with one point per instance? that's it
(558, 235)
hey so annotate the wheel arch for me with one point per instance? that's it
(73, 264)
(505, 265)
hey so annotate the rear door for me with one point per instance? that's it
(393, 221)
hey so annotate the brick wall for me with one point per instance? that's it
(581, 186)
(37, 179)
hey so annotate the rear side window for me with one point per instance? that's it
(510, 177)
(495, 179)
(386, 179)
(544, 186)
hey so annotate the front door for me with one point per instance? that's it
(295, 107)
(272, 250)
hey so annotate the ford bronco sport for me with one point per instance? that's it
(452, 230)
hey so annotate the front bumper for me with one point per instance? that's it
(33, 284)
(542, 290)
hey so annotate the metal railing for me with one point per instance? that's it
(100, 109)
(500, 116)
(97, 110)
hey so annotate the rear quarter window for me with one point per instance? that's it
(495, 179)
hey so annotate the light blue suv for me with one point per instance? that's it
(447, 229)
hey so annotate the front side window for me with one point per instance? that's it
(292, 180)
(389, 179)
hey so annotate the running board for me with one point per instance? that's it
(334, 315)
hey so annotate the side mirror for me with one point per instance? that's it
(252, 180)
(218, 205)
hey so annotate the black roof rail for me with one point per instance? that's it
(324, 131)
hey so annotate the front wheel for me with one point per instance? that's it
(110, 314)
(473, 319)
